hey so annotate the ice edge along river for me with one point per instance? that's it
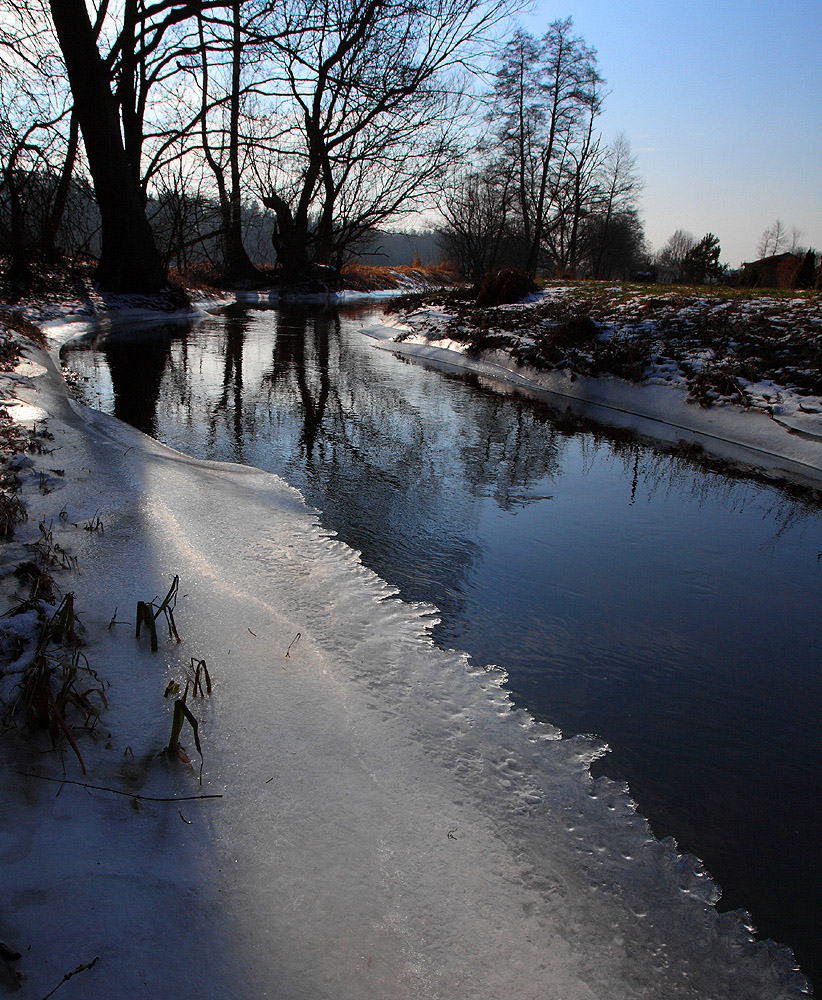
(389, 826)
(789, 446)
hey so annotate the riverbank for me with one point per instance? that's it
(737, 376)
(387, 825)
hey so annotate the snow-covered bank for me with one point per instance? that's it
(784, 440)
(388, 826)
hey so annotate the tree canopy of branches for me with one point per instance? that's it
(476, 207)
(38, 138)
(336, 115)
(547, 96)
(777, 238)
(671, 258)
(363, 123)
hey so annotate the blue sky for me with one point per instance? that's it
(722, 103)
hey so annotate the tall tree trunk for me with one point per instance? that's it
(58, 205)
(238, 266)
(127, 94)
(129, 260)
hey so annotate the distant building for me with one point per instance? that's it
(779, 271)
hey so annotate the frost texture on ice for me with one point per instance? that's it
(389, 826)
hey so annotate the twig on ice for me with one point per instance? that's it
(68, 975)
(117, 791)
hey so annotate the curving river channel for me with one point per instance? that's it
(643, 596)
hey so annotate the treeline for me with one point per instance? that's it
(153, 134)
(333, 116)
(782, 261)
(544, 191)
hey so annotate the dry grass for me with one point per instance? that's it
(368, 278)
(714, 337)
(59, 690)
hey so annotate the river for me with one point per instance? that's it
(631, 592)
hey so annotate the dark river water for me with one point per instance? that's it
(638, 595)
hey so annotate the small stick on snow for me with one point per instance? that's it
(68, 975)
(117, 791)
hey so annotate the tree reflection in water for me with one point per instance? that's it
(230, 403)
(668, 605)
(137, 365)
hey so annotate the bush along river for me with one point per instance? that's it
(642, 595)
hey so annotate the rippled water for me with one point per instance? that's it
(641, 596)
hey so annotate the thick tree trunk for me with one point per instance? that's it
(291, 241)
(129, 260)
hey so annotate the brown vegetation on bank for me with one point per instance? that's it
(716, 339)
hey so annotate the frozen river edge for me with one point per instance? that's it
(389, 826)
(789, 446)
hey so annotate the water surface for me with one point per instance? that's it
(641, 596)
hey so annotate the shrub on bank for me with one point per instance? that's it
(502, 287)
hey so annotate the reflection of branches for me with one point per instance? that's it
(685, 471)
(137, 368)
(290, 357)
(236, 325)
(178, 375)
(401, 466)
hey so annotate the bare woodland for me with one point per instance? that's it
(152, 135)
(166, 134)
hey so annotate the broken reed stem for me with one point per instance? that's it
(145, 617)
(199, 667)
(61, 722)
(176, 725)
(68, 975)
(117, 791)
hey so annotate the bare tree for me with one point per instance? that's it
(476, 235)
(773, 240)
(364, 125)
(546, 95)
(777, 238)
(37, 146)
(226, 42)
(585, 159)
(671, 258)
(619, 187)
(615, 251)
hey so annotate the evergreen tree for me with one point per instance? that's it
(807, 269)
(701, 264)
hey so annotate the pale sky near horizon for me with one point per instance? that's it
(722, 104)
